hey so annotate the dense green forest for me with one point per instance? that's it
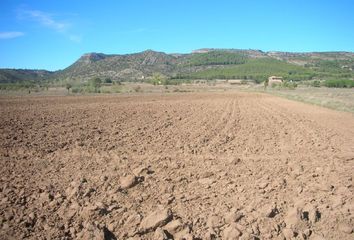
(216, 58)
(257, 69)
(261, 69)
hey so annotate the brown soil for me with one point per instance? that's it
(179, 166)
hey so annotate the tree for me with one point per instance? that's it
(68, 86)
(266, 82)
(159, 79)
(96, 83)
(316, 83)
(108, 80)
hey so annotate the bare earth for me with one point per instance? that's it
(177, 166)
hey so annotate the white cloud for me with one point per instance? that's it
(49, 21)
(9, 35)
(46, 20)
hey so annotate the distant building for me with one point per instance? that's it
(220, 81)
(274, 80)
(234, 81)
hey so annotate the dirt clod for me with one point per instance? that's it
(231, 232)
(128, 181)
(346, 228)
(155, 219)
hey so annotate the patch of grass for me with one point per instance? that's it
(335, 98)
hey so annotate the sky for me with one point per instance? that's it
(44, 34)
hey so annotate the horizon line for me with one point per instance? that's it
(169, 53)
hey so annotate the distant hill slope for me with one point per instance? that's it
(261, 68)
(129, 66)
(201, 63)
(20, 75)
(258, 69)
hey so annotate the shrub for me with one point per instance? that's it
(68, 86)
(289, 85)
(316, 83)
(75, 90)
(108, 80)
(96, 84)
(339, 83)
(243, 82)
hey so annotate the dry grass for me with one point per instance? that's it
(335, 98)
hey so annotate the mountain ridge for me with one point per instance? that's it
(135, 66)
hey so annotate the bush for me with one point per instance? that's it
(96, 84)
(316, 83)
(108, 80)
(289, 85)
(285, 84)
(339, 83)
(68, 86)
(158, 79)
(75, 90)
(243, 82)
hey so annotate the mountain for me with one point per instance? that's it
(20, 75)
(207, 63)
(129, 66)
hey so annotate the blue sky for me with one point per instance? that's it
(51, 35)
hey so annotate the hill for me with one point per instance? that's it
(119, 67)
(202, 63)
(20, 75)
(257, 69)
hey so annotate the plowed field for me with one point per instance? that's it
(178, 166)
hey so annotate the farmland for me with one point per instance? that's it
(188, 165)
